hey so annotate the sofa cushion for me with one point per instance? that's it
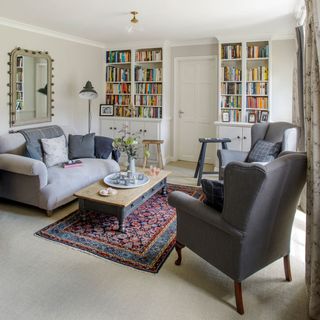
(102, 147)
(63, 183)
(55, 151)
(81, 146)
(264, 151)
(214, 191)
(33, 151)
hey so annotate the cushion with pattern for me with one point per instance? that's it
(214, 191)
(264, 151)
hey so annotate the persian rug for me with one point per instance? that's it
(148, 241)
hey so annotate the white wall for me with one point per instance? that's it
(283, 55)
(73, 64)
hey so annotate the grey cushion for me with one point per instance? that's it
(264, 151)
(81, 146)
(214, 191)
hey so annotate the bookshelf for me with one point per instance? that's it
(134, 82)
(20, 84)
(244, 91)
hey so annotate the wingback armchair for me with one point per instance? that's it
(283, 132)
(254, 228)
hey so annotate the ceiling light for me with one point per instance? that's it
(133, 22)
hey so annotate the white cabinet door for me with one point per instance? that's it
(234, 134)
(107, 128)
(151, 130)
(246, 139)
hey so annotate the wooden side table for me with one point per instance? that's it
(199, 169)
(158, 143)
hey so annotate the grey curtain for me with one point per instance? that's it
(312, 127)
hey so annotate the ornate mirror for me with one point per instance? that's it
(30, 87)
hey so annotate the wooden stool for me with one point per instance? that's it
(158, 143)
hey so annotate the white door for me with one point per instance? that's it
(196, 105)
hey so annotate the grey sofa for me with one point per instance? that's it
(283, 132)
(29, 181)
(255, 225)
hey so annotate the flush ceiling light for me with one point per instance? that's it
(133, 22)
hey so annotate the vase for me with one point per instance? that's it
(132, 165)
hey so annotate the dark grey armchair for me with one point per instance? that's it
(283, 132)
(255, 225)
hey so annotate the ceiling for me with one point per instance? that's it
(106, 21)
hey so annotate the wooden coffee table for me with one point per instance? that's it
(125, 201)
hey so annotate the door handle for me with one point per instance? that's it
(180, 113)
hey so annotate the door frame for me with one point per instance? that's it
(176, 62)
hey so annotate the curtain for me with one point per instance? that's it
(312, 127)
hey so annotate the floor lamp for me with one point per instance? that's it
(88, 93)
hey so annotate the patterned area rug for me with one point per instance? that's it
(149, 238)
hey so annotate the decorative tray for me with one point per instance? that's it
(125, 180)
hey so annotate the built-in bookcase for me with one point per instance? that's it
(134, 82)
(244, 81)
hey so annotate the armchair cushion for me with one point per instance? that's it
(264, 151)
(81, 146)
(214, 191)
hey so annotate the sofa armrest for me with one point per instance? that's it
(23, 165)
(187, 204)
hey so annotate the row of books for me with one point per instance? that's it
(120, 111)
(231, 74)
(231, 102)
(145, 74)
(118, 100)
(149, 55)
(148, 100)
(231, 115)
(118, 88)
(231, 51)
(257, 102)
(19, 61)
(258, 74)
(19, 86)
(257, 88)
(258, 52)
(147, 112)
(115, 74)
(19, 95)
(118, 56)
(149, 88)
(231, 88)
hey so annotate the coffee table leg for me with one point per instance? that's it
(164, 191)
(121, 217)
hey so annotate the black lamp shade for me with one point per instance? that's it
(88, 92)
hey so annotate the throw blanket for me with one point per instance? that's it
(33, 136)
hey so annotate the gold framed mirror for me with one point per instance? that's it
(30, 87)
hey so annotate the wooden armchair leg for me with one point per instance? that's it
(238, 294)
(179, 247)
(287, 268)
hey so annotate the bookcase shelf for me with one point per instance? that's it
(245, 81)
(140, 71)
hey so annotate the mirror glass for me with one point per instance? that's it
(30, 87)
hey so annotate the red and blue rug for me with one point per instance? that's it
(149, 238)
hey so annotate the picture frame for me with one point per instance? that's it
(225, 116)
(264, 116)
(252, 117)
(106, 110)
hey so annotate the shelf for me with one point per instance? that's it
(145, 106)
(257, 95)
(148, 94)
(230, 94)
(118, 82)
(159, 61)
(118, 94)
(231, 81)
(117, 63)
(231, 109)
(136, 81)
(257, 109)
(235, 59)
(258, 59)
(261, 81)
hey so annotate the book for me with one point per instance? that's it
(72, 163)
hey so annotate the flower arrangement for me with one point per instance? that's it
(127, 143)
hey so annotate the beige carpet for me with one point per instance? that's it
(40, 279)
